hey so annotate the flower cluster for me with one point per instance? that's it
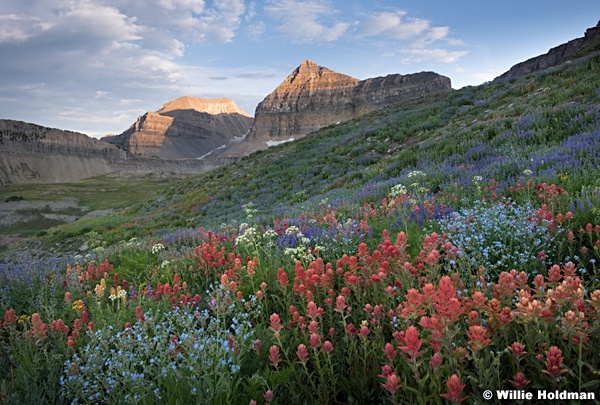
(501, 236)
(160, 352)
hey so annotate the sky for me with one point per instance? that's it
(94, 66)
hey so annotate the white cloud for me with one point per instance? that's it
(398, 26)
(221, 21)
(394, 25)
(197, 6)
(432, 55)
(16, 28)
(306, 21)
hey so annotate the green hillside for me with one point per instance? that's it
(545, 123)
(421, 254)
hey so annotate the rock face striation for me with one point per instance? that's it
(187, 127)
(558, 55)
(313, 97)
(31, 153)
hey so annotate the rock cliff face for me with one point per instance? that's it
(558, 55)
(188, 127)
(313, 97)
(31, 153)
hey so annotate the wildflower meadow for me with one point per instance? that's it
(423, 279)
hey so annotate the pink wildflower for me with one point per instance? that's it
(302, 353)
(274, 357)
(314, 340)
(10, 317)
(392, 383)
(313, 311)
(268, 396)
(517, 349)
(275, 323)
(455, 389)
(519, 381)
(340, 304)
(389, 351)
(436, 361)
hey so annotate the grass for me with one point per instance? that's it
(74, 200)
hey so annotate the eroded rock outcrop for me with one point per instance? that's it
(558, 55)
(313, 97)
(188, 127)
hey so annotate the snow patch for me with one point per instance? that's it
(238, 139)
(274, 143)
(205, 155)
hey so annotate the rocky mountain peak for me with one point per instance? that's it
(313, 96)
(310, 76)
(187, 127)
(213, 106)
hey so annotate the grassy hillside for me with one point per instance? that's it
(421, 254)
(545, 123)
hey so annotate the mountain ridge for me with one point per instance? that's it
(313, 96)
(558, 55)
(32, 153)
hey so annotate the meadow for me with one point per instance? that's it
(418, 255)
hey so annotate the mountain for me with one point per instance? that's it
(187, 127)
(312, 97)
(32, 153)
(558, 55)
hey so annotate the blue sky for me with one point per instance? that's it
(94, 66)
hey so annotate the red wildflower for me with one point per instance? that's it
(447, 305)
(38, 327)
(553, 363)
(139, 313)
(268, 396)
(77, 324)
(412, 306)
(478, 337)
(389, 351)
(313, 311)
(59, 326)
(436, 361)
(327, 346)
(392, 383)
(455, 389)
(411, 341)
(519, 381)
(517, 349)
